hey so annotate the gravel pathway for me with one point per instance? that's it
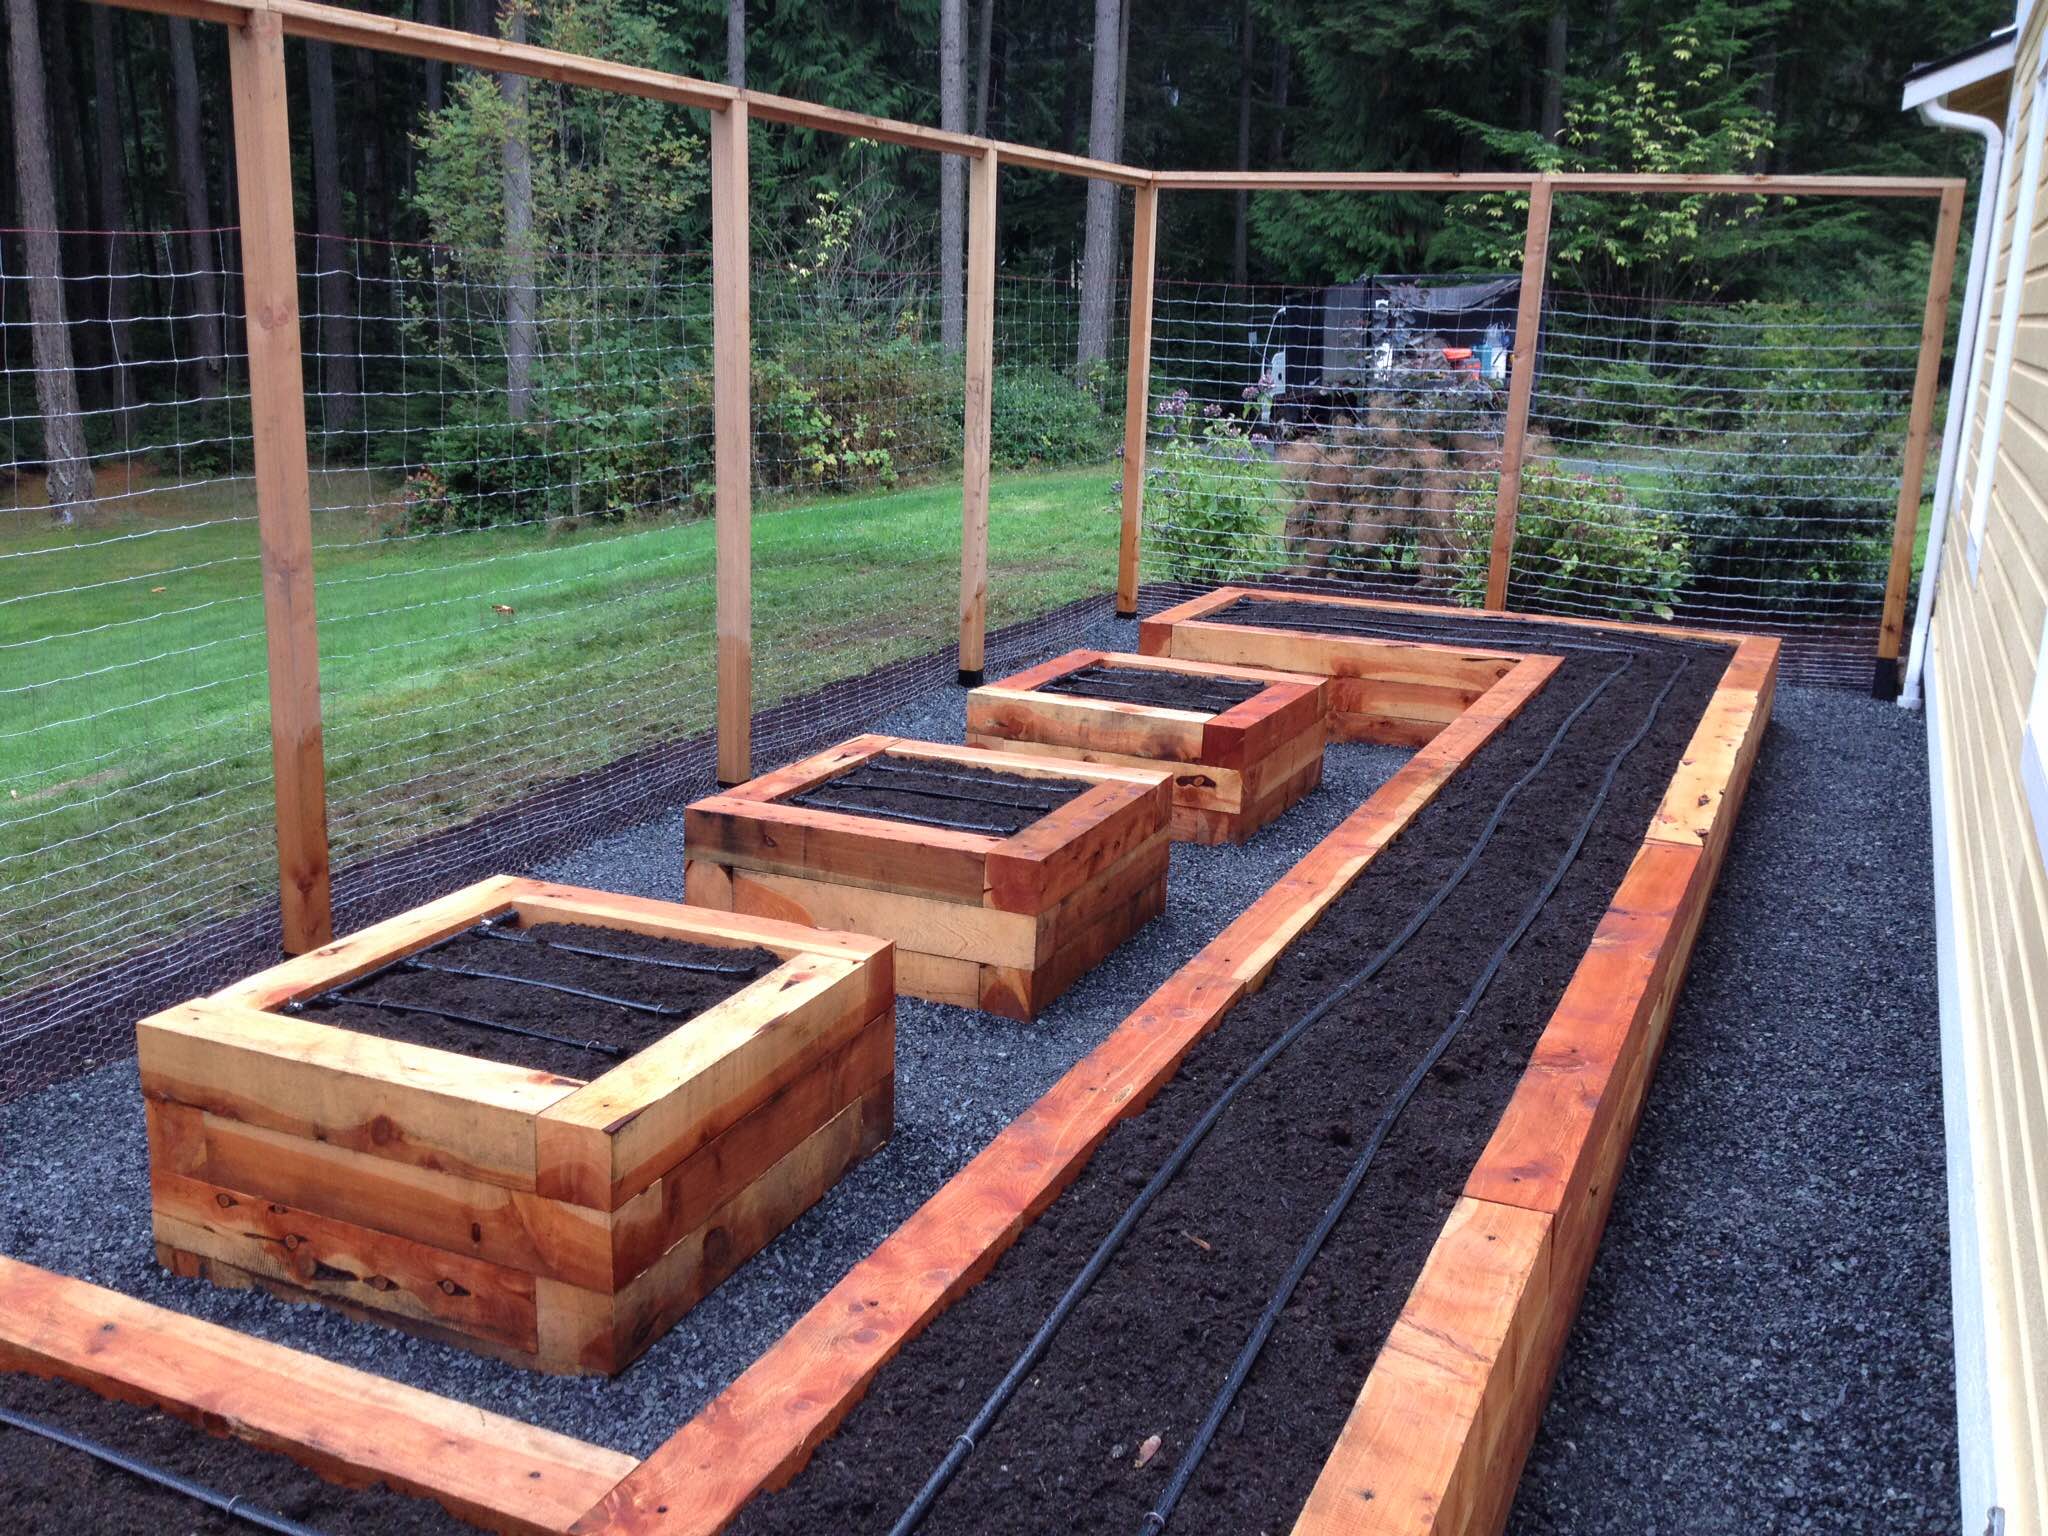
(1765, 1343)
(74, 1193)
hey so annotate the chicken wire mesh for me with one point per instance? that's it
(514, 578)
(1721, 465)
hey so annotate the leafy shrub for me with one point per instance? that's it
(1581, 543)
(1209, 489)
(1042, 416)
(1793, 507)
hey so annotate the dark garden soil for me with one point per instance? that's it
(958, 797)
(1148, 1350)
(1165, 690)
(51, 1490)
(594, 1035)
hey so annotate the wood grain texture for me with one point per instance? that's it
(1434, 1441)
(347, 1425)
(277, 429)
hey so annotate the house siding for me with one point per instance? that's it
(1985, 649)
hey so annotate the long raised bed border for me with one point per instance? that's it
(347, 1425)
(760, 1431)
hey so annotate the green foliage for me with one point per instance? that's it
(1794, 507)
(1209, 493)
(1582, 544)
(1682, 108)
(610, 172)
(1042, 417)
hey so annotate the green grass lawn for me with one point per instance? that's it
(133, 738)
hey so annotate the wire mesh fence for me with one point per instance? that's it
(1722, 465)
(514, 574)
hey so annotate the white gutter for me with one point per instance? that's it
(1990, 215)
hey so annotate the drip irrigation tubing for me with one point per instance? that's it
(231, 1505)
(1162, 1510)
(413, 962)
(1117, 693)
(964, 1445)
(876, 765)
(847, 781)
(487, 929)
(810, 798)
(598, 1047)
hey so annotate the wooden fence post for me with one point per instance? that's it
(284, 519)
(975, 440)
(1137, 396)
(1919, 425)
(1521, 384)
(732, 341)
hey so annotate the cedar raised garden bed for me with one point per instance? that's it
(1000, 880)
(1382, 688)
(333, 1129)
(1243, 743)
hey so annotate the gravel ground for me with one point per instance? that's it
(1765, 1342)
(74, 1168)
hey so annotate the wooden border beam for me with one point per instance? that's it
(732, 383)
(1137, 396)
(1514, 440)
(1891, 631)
(978, 427)
(347, 1425)
(284, 516)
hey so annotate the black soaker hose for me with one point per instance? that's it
(230, 1505)
(488, 930)
(962, 1447)
(1156, 1518)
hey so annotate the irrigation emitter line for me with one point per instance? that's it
(847, 781)
(810, 798)
(384, 1005)
(231, 1505)
(1114, 690)
(964, 1445)
(879, 765)
(490, 928)
(1162, 1510)
(413, 962)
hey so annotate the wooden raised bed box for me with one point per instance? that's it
(1243, 743)
(559, 1222)
(982, 917)
(1400, 692)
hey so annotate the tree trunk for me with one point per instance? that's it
(736, 44)
(1240, 235)
(520, 331)
(113, 210)
(983, 53)
(338, 382)
(952, 179)
(1105, 142)
(1556, 53)
(1276, 148)
(69, 470)
(433, 14)
(202, 256)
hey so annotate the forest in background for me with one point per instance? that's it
(121, 124)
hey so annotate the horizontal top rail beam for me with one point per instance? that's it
(391, 34)
(1560, 181)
